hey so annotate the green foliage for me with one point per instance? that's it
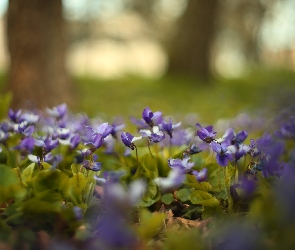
(45, 197)
(27, 174)
(152, 194)
(150, 166)
(216, 179)
(53, 180)
(188, 240)
(203, 198)
(167, 198)
(77, 190)
(10, 187)
(150, 224)
(47, 201)
(183, 194)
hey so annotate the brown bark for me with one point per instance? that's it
(190, 48)
(37, 45)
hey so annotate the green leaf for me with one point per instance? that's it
(77, 185)
(163, 167)
(47, 201)
(167, 198)
(152, 190)
(150, 165)
(193, 212)
(81, 189)
(216, 177)
(51, 179)
(12, 158)
(149, 202)
(5, 234)
(88, 193)
(212, 211)
(183, 194)
(150, 224)
(46, 165)
(203, 198)
(27, 174)
(152, 195)
(7, 176)
(75, 168)
(193, 182)
(179, 153)
(186, 240)
(10, 186)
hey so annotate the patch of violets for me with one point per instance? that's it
(65, 130)
(40, 137)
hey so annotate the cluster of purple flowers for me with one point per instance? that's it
(35, 130)
(44, 133)
(50, 138)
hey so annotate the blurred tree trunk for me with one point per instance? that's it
(37, 44)
(190, 49)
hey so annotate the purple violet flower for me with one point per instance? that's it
(193, 149)
(174, 180)
(168, 127)
(224, 152)
(58, 112)
(26, 144)
(205, 134)
(201, 175)
(241, 151)
(5, 128)
(128, 139)
(23, 128)
(92, 165)
(235, 139)
(156, 135)
(287, 129)
(240, 137)
(116, 127)
(30, 118)
(152, 119)
(95, 142)
(181, 164)
(139, 123)
(269, 146)
(123, 197)
(105, 129)
(253, 151)
(181, 137)
(14, 115)
(114, 230)
(63, 133)
(74, 141)
(97, 138)
(82, 154)
(50, 144)
(49, 158)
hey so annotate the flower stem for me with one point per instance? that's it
(235, 171)
(136, 152)
(148, 143)
(19, 176)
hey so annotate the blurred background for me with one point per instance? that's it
(207, 58)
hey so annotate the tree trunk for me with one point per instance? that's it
(37, 44)
(190, 49)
